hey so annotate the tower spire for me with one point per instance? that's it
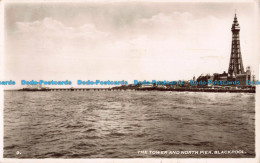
(236, 63)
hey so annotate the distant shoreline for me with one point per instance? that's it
(223, 90)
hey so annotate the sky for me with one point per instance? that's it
(124, 40)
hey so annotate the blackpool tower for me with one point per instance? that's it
(235, 64)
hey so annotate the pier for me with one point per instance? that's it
(181, 89)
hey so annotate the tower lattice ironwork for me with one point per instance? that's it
(235, 64)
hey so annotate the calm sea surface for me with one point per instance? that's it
(104, 124)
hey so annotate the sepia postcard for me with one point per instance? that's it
(129, 81)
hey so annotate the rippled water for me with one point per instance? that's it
(95, 124)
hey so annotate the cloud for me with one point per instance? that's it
(179, 25)
(49, 27)
(163, 19)
(158, 47)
